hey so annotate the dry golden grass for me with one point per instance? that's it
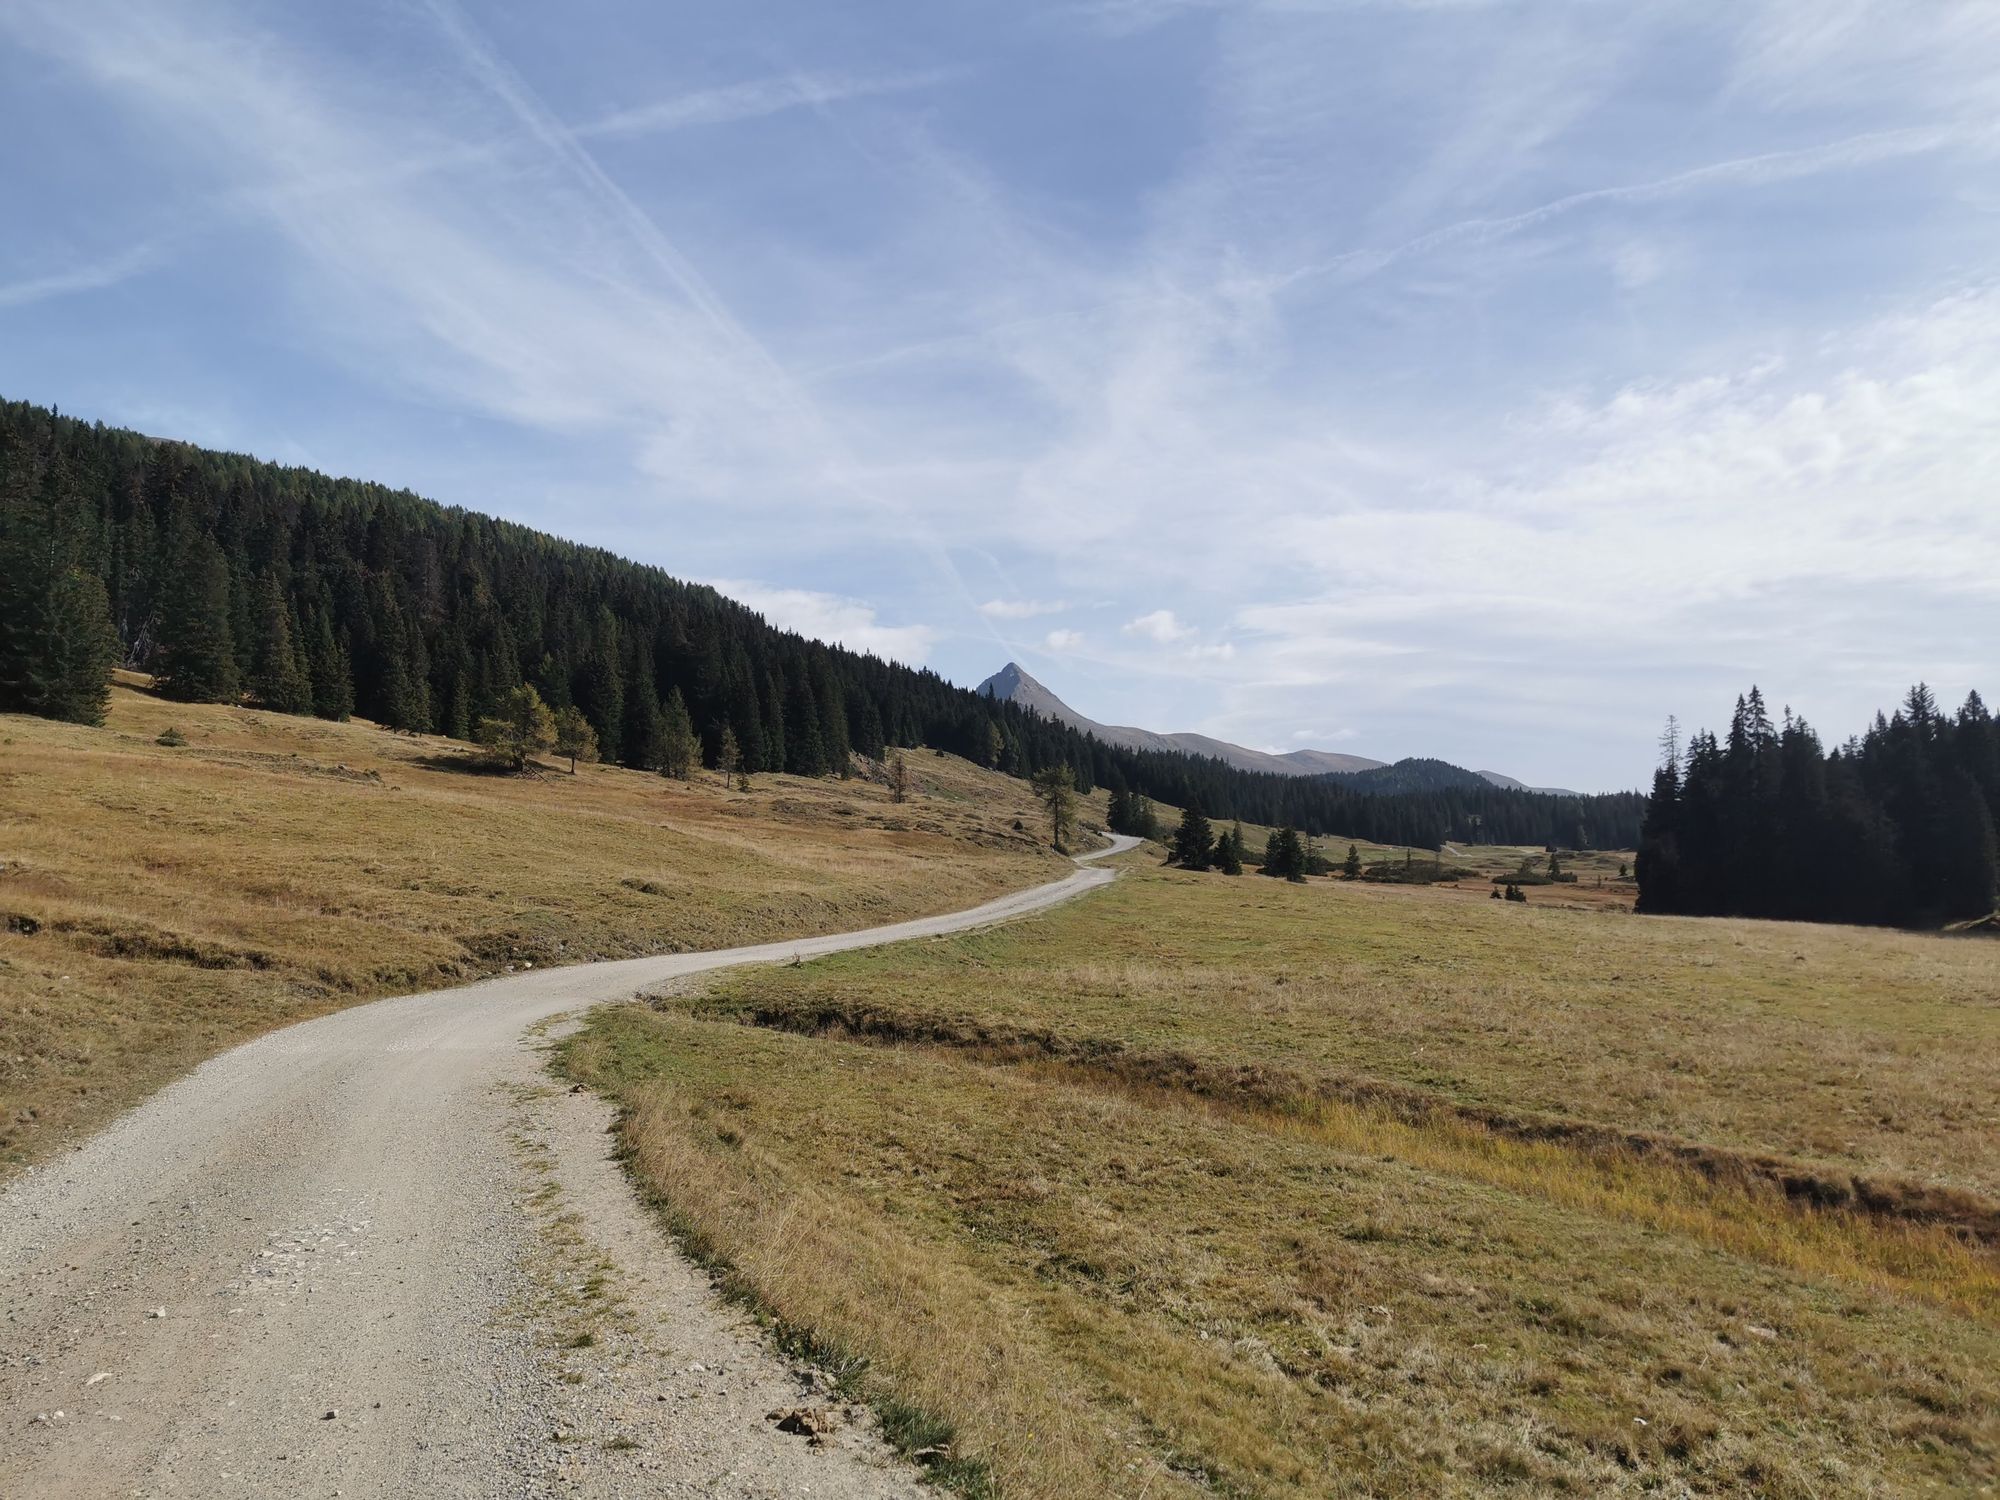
(159, 904)
(1210, 1183)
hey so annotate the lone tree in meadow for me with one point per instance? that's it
(524, 727)
(574, 737)
(1194, 843)
(1057, 789)
(1350, 868)
(679, 750)
(728, 754)
(899, 777)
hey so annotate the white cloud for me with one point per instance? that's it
(1222, 651)
(1159, 626)
(1021, 609)
(830, 617)
(1063, 640)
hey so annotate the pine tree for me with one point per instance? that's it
(678, 748)
(1350, 868)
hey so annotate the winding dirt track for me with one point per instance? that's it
(330, 1220)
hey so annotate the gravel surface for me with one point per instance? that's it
(321, 1265)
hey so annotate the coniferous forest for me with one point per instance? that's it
(1894, 827)
(235, 580)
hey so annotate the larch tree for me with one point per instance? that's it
(573, 736)
(1057, 789)
(679, 749)
(523, 728)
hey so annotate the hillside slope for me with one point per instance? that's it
(160, 903)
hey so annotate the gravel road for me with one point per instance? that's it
(321, 1265)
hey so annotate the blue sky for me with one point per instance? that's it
(1483, 380)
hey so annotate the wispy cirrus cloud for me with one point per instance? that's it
(1021, 609)
(89, 276)
(756, 99)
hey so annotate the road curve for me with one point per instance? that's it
(324, 1220)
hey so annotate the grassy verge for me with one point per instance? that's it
(1224, 1276)
(159, 903)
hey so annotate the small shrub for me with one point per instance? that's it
(171, 737)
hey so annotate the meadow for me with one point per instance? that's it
(161, 902)
(1213, 1186)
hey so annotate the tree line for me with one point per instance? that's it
(236, 580)
(1895, 827)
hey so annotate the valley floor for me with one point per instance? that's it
(1228, 1186)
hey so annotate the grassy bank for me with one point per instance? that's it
(159, 903)
(1243, 1188)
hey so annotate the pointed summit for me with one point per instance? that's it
(1013, 684)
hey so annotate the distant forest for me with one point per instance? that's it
(1892, 828)
(234, 580)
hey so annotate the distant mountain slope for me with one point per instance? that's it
(1508, 783)
(1013, 685)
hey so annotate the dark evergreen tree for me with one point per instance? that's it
(1193, 843)
(278, 676)
(195, 650)
(332, 672)
(1894, 827)
(679, 750)
(1285, 854)
(57, 645)
(1228, 857)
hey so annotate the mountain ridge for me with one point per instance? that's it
(1014, 684)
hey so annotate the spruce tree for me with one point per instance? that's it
(195, 652)
(1229, 852)
(1285, 855)
(275, 680)
(1350, 868)
(1193, 843)
(57, 645)
(643, 741)
(332, 672)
